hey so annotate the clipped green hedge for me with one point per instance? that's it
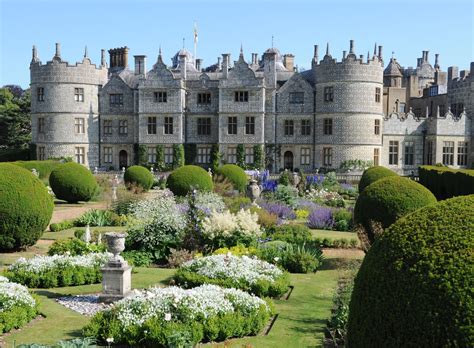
(25, 207)
(235, 175)
(139, 176)
(186, 178)
(73, 182)
(9, 155)
(415, 285)
(373, 174)
(388, 199)
(445, 182)
(44, 168)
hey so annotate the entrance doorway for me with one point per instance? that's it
(123, 159)
(288, 160)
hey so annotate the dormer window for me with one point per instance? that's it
(297, 98)
(241, 96)
(116, 99)
(161, 97)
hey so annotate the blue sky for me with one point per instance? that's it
(406, 27)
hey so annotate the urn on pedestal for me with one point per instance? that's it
(253, 190)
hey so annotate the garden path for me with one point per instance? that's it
(65, 211)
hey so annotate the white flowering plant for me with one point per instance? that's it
(17, 305)
(223, 229)
(154, 317)
(246, 273)
(58, 270)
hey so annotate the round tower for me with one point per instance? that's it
(349, 108)
(64, 107)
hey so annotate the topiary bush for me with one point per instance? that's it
(138, 176)
(373, 174)
(186, 178)
(387, 200)
(414, 288)
(25, 207)
(73, 182)
(235, 175)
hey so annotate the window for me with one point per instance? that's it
(203, 155)
(249, 155)
(393, 153)
(152, 154)
(409, 153)
(289, 127)
(377, 94)
(232, 155)
(456, 109)
(107, 155)
(327, 128)
(430, 152)
(168, 155)
(448, 153)
(402, 107)
(152, 125)
(250, 125)
(204, 126)
(442, 110)
(376, 156)
(41, 125)
(123, 127)
(40, 94)
(41, 153)
(305, 127)
(160, 97)
(328, 94)
(232, 125)
(327, 156)
(116, 99)
(107, 127)
(377, 127)
(462, 153)
(297, 98)
(79, 153)
(168, 125)
(79, 125)
(305, 155)
(204, 98)
(79, 94)
(241, 96)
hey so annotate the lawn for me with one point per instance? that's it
(333, 234)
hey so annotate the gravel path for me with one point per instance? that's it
(84, 304)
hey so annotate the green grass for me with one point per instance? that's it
(333, 234)
(69, 233)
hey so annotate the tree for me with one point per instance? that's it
(15, 122)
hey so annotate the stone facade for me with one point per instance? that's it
(334, 112)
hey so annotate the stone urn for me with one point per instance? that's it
(296, 179)
(115, 245)
(253, 191)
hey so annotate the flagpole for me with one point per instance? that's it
(195, 41)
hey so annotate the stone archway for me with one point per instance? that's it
(123, 159)
(288, 160)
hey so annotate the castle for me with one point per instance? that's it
(101, 116)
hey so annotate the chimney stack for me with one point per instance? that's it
(225, 64)
(344, 53)
(453, 73)
(219, 64)
(119, 57)
(289, 62)
(255, 58)
(198, 64)
(380, 52)
(463, 74)
(182, 66)
(102, 58)
(351, 47)
(140, 65)
(316, 53)
(57, 55)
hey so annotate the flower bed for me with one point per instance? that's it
(249, 274)
(17, 306)
(58, 270)
(172, 317)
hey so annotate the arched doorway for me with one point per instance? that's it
(123, 159)
(288, 160)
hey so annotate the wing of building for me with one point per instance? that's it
(110, 116)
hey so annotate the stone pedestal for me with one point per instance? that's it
(116, 281)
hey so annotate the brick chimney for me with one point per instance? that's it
(289, 62)
(119, 57)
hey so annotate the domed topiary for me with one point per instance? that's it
(140, 176)
(235, 175)
(387, 200)
(184, 179)
(72, 182)
(414, 288)
(25, 207)
(373, 174)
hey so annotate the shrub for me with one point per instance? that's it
(235, 175)
(73, 182)
(388, 199)
(286, 195)
(373, 174)
(291, 233)
(138, 258)
(124, 202)
(98, 218)
(25, 207)
(180, 318)
(234, 204)
(414, 287)
(445, 182)
(284, 178)
(184, 179)
(138, 176)
(342, 220)
(265, 219)
(248, 274)
(236, 250)
(321, 218)
(74, 247)
(44, 168)
(60, 226)
(301, 259)
(281, 210)
(177, 257)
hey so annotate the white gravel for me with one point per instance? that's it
(84, 304)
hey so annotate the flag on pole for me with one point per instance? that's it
(195, 33)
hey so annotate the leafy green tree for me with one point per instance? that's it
(178, 155)
(15, 122)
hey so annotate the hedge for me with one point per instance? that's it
(44, 168)
(25, 207)
(73, 182)
(415, 285)
(139, 176)
(186, 178)
(445, 182)
(373, 174)
(235, 175)
(9, 155)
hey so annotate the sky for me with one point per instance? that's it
(405, 27)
